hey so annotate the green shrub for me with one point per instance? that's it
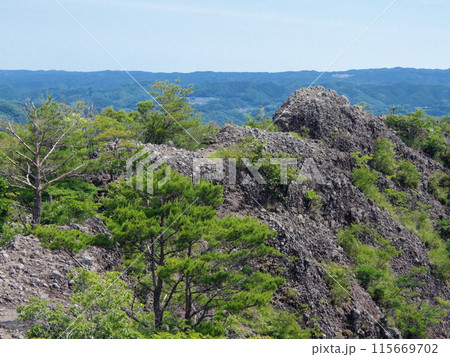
(249, 148)
(373, 271)
(363, 254)
(417, 221)
(383, 158)
(397, 198)
(433, 146)
(68, 210)
(4, 203)
(313, 201)
(443, 227)
(439, 187)
(266, 322)
(363, 177)
(411, 128)
(367, 275)
(70, 241)
(407, 175)
(303, 133)
(101, 307)
(423, 132)
(415, 318)
(261, 121)
(69, 201)
(338, 278)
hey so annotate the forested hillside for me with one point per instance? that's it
(228, 96)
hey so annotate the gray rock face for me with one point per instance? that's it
(320, 110)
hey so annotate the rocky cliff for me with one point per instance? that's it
(331, 129)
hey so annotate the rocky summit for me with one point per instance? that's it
(320, 130)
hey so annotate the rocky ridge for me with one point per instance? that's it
(335, 128)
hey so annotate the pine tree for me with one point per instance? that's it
(185, 260)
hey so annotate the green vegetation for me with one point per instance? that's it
(370, 264)
(4, 203)
(205, 258)
(191, 273)
(339, 279)
(407, 175)
(413, 216)
(70, 241)
(110, 135)
(267, 322)
(102, 307)
(313, 201)
(261, 121)
(423, 132)
(232, 94)
(383, 158)
(438, 186)
(11, 110)
(69, 201)
(171, 118)
(44, 151)
(274, 174)
(188, 273)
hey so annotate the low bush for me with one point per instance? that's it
(261, 121)
(407, 175)
(383, 158)
(70, 241)
(4, 203)
(396, 198)
(439, 187)
(338, 278)
(313, 201)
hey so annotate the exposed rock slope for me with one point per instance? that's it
(27, 270)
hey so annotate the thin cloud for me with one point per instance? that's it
(208, 11)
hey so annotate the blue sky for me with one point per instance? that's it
(200, 35)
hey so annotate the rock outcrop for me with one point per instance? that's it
(335, 128)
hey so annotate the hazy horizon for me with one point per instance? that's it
(202, 71)
(263, 36)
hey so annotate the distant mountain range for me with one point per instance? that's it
(223, 96)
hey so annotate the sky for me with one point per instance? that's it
(227, 35)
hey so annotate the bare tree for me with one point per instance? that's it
(41, 152)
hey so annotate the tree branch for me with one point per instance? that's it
(131, 316)
(24, 156)
(166, 303)
(28, 184)
(55, 145)
(12, 131)
(67, 174)
(26, 172)
(60, 165)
